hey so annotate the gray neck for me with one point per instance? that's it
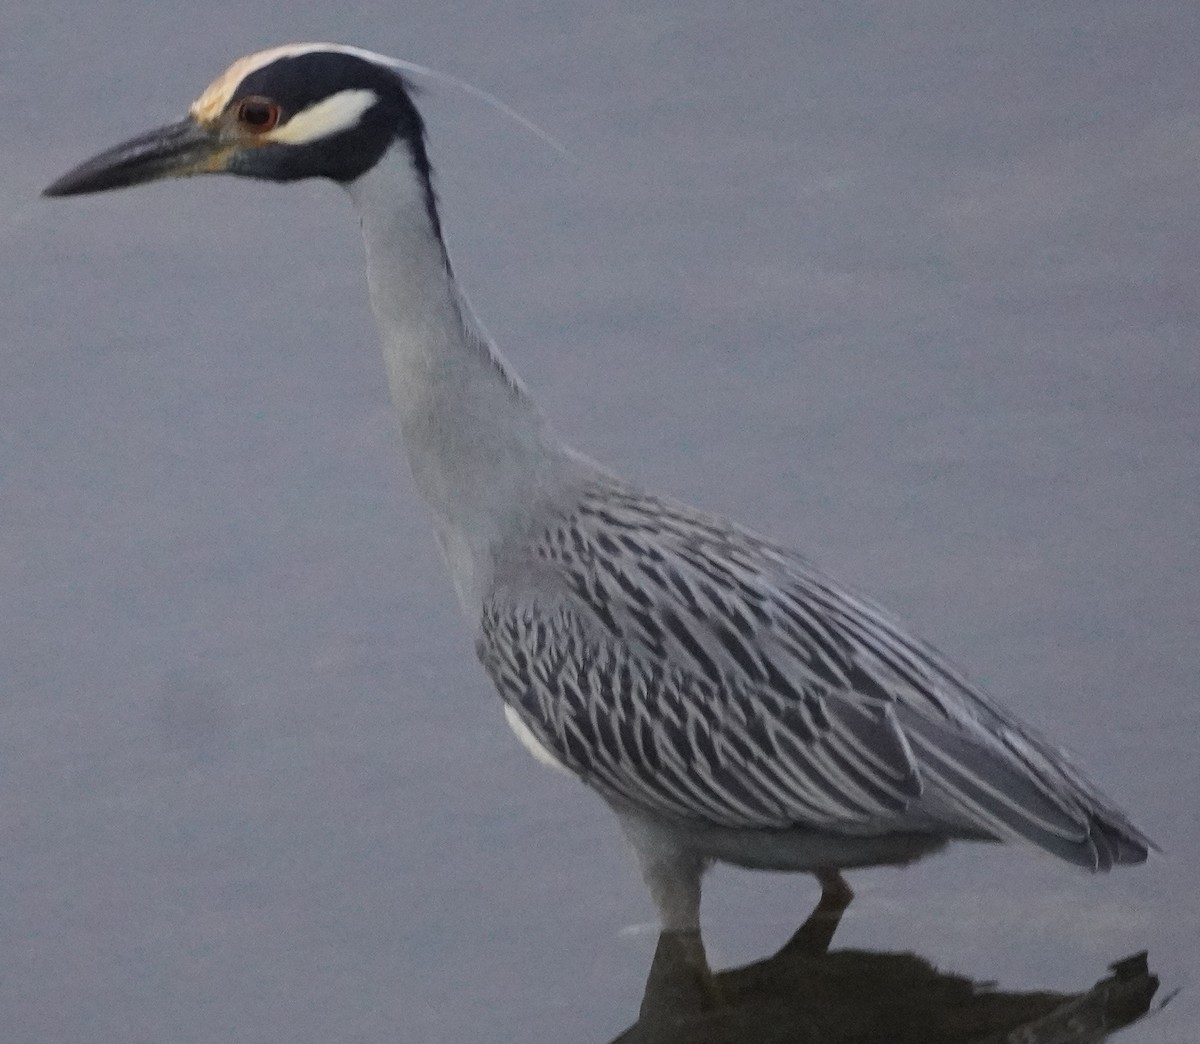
(480, 452)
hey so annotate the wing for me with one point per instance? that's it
(691, 669)
(661, 737)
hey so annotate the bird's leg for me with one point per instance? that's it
(816, 933)
(836, 894)
(672, 874)
(680, 982)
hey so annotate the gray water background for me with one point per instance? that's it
(912, 286)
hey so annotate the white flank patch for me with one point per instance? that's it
(339, 112)
(531, 743)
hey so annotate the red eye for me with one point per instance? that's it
(257, 115)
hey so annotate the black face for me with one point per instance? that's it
(288, 86)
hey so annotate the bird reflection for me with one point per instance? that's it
(806, 994)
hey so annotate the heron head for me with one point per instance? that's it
(292, 112)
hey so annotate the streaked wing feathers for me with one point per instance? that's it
(687, 667)
(724, 751)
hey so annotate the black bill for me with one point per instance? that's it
(177, 151)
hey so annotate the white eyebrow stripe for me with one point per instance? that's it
(339, 112)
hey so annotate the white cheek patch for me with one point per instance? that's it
(332, 115)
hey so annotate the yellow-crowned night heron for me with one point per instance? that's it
(728, 700)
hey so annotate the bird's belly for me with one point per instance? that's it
(794, 849)
(810, 850)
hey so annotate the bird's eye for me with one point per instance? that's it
(257, 115)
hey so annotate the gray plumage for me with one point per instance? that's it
(691, 671)
(728, 700)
